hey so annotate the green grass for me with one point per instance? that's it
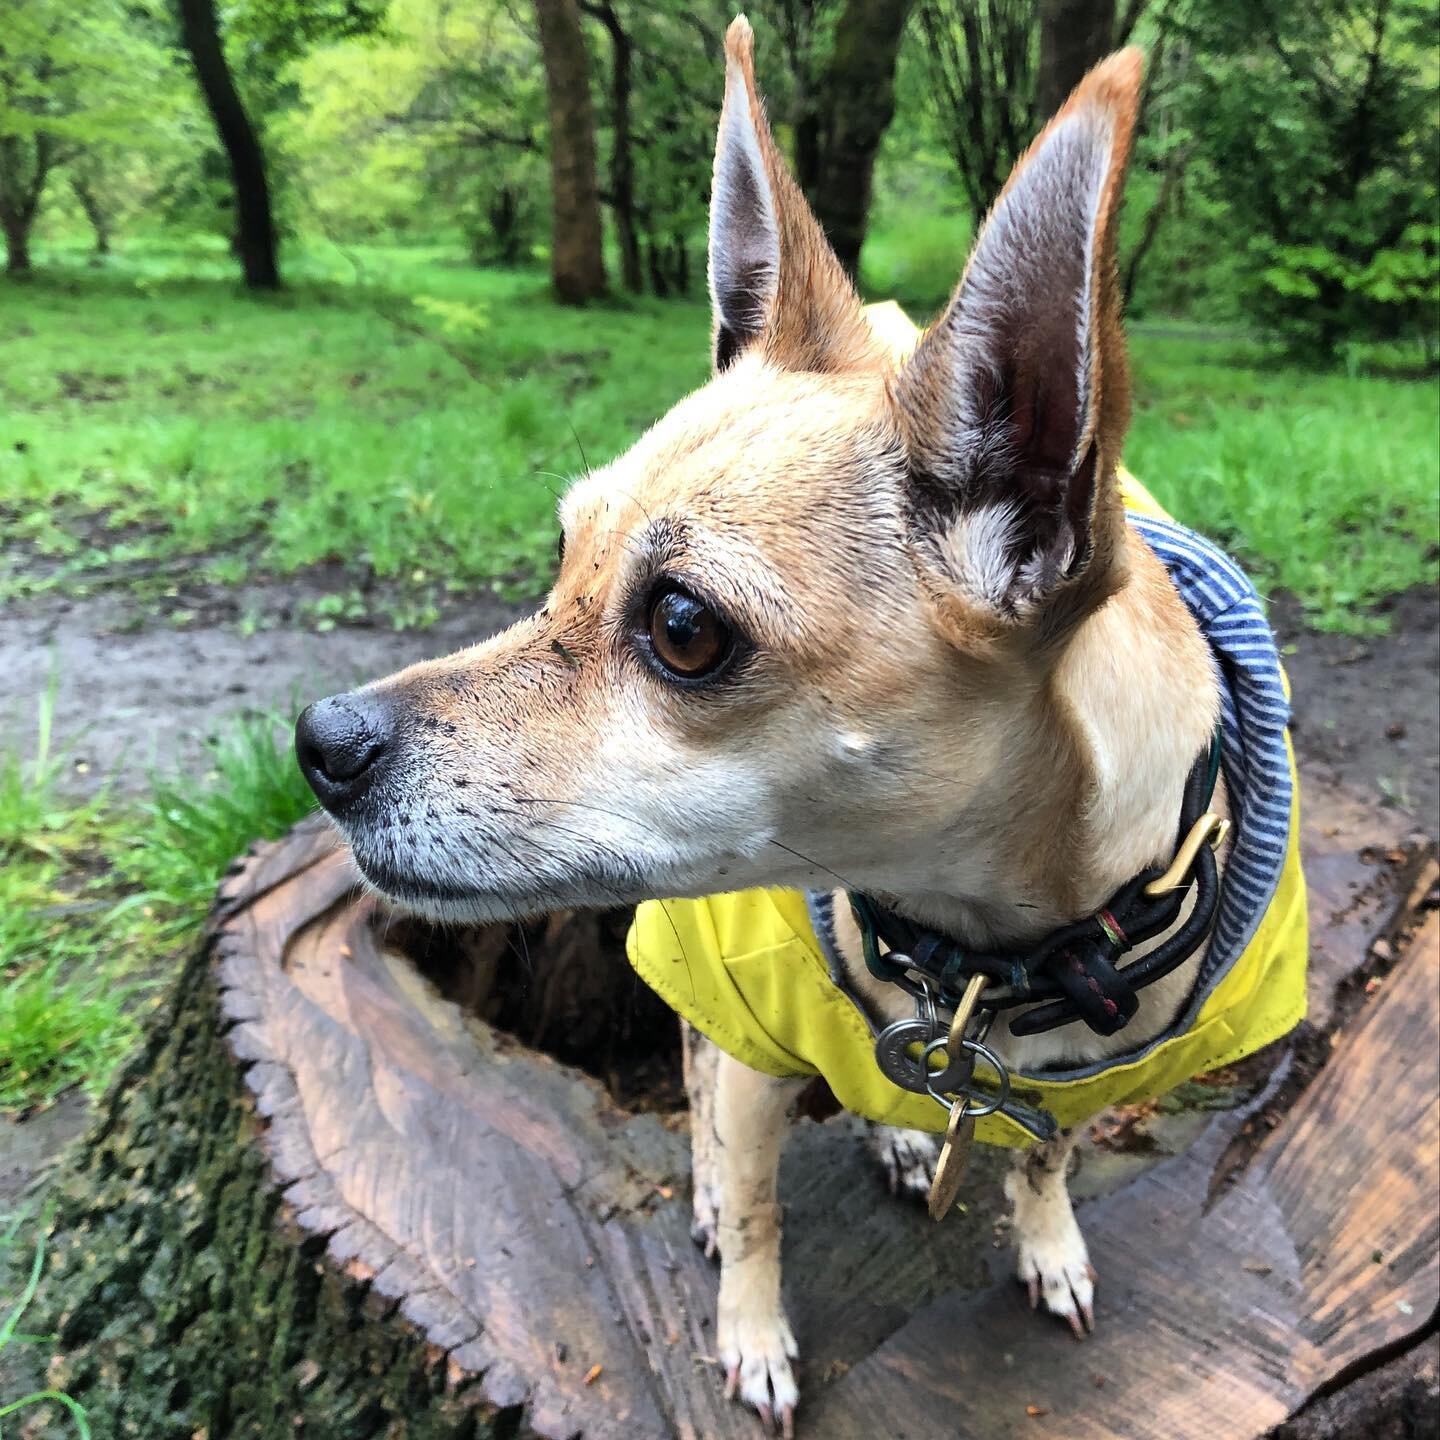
(409, 426)
(410, 417)
(96, 897)
(1326, 485)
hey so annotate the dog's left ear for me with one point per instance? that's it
(774, 280)
(1014, 406)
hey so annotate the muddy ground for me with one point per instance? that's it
(135, 693)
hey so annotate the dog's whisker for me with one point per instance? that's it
(810, 860)
(579, 444)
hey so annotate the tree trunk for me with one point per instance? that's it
(1154, 219)
(1074, 35)
(577, 260)
(808, 148)
(94, 213)
(23, 175)
(622, 157)
(17, 244)
(255, 225)
(860, 89)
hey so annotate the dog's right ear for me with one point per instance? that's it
(774, 280)
(1015, 403)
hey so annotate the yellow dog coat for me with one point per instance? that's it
(748, 969)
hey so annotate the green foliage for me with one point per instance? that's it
(152, 416)
(419, 435)
(1324, 485)
(433, 125)
(61, 1016)
(88, 88)
(184, 836)
(1316, 133)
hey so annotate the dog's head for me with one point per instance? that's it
(800, 628)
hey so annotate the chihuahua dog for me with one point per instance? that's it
(838, 614)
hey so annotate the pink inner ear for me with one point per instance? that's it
(773, 277)
(744, 232)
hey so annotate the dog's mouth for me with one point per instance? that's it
(454, 901)
(444, 900)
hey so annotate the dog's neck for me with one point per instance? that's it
(1090, 789)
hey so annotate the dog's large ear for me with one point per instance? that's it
(774, 279)
(1014, 406)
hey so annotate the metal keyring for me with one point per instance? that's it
(981, 1052)
(952, 1074)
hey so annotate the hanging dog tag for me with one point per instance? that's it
(960, 1132)
(954, 1160)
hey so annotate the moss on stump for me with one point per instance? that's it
(184, 1300)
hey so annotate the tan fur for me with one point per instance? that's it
(993, 769)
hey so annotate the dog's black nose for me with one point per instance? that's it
(338, 742)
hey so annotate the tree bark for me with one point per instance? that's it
(20, 195)
(577, 260)
(17, 244)
(325, 1199)
(622, 157)
(1074, 35)
(94, 213)
(860, 87)
(255, 240)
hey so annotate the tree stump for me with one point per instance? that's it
(334, 1195)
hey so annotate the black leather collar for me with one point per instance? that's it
(1074, 972)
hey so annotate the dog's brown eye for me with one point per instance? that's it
(688, 637)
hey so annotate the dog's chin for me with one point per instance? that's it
(452, 904)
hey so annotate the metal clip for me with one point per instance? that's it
(1209, 827)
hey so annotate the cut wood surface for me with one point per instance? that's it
(324, 1199)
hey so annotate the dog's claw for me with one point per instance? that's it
(705, 1218)
(706, 1234)
(1062, 1280)
(758, 1371)
(705, 1239)
(907, 1159)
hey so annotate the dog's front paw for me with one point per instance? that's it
(1054, 1266)
(907, 1158)
(756, 1353)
